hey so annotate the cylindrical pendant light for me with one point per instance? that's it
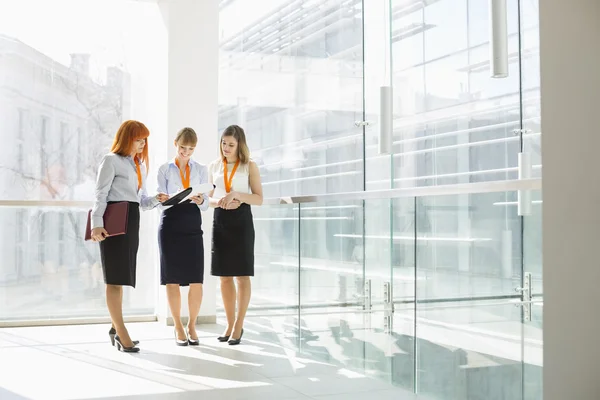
(524, 196)
(498, 39)
(386, 120)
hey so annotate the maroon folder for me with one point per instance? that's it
(115, 220)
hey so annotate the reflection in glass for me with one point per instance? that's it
(291, 75)
(49, 272)
(66, 84)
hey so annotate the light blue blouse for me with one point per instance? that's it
(117, 181)
(169, 179)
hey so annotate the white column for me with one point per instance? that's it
(193, 63)
(570, 85)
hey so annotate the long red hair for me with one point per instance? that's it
(128, 133)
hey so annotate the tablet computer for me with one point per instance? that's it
(177, 198)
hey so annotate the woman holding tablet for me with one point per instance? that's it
(237, 187)
(180, 235)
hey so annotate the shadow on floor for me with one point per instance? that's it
(8, 395)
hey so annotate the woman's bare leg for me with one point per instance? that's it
(174, 299)
(244, 291)
(194, 303)
(228, 295)
(114, 302)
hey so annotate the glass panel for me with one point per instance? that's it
(377, 73)
(275, 285)
(66, 84)
(532, 224)
(337, 260)
(331, 284)
(469, 350)
(291, 75)
(404, 277)
(530, 72)
(48, 271)
(533, 329)
(533, 354)
(468, 246)
(453, 123)
(331, 251)
(273, 311)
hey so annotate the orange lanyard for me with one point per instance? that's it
(138, 170)
(230, 181)
(185, 177)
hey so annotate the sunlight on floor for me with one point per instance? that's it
(77, 362)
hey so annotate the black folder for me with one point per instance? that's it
(176, 198)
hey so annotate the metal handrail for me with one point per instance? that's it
(426, 191)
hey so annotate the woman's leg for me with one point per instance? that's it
(112, 323)
(194, 303)
(228, 295)
(174, 299)
(243, 300)
(114, 302)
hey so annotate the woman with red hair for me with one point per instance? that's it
(122, 178)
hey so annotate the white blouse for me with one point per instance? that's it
(241, 179)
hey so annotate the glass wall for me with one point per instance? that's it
(66, 84)
(374, 285)
(298, 75)
(303, 78)
(291, 75)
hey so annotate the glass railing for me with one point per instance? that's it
(427, 288)
(48, 272)
(434, 289)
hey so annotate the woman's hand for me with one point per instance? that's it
(199, 200)
(99, 234)
(162, 197)
(224, 202)
(233, 205)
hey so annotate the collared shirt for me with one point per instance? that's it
(117, 181)
(169, 179)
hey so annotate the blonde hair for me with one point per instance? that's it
(186, 137)
(238, 134)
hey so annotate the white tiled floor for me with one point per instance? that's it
(77, 362)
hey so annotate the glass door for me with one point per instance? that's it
(530, 135)
(455, 124)
(442, 316)
(388, 247)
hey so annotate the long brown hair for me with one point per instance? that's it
(128, 133)
(238, 134)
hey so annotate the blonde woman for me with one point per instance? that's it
(180, 235)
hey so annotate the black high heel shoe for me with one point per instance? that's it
(178, 341)
(234, 342)
(224, 338)
(124, 349)
(192, 342)
(113, 332)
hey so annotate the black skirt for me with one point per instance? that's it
(181, 245)
(233, 242)
(119, 253)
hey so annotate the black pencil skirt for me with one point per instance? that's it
(233, 242)
(181, 245)
(119, 253)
